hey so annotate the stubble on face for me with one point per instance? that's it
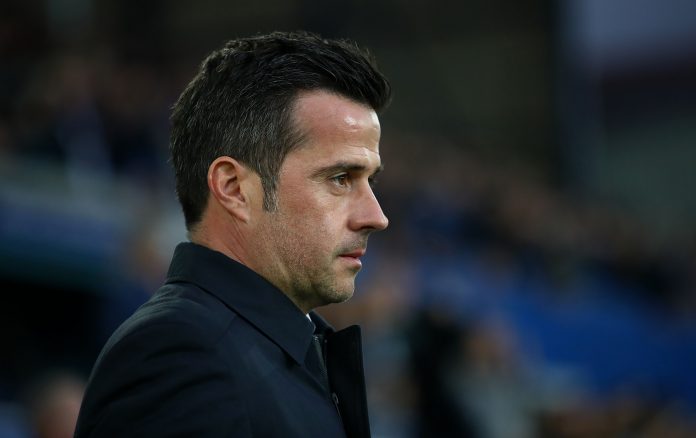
(311, 272)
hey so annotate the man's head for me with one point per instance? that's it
(275, 146)
(239, 105)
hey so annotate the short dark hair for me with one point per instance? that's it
(239, 104)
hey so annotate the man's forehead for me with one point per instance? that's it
(319, 110)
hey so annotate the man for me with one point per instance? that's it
(275, 145)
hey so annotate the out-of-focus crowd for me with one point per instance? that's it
(90, 110)
(497, 305)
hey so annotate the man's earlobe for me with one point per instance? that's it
(227, 183)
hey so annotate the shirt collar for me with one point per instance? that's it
(247, 293)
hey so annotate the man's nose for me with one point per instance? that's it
(368, 214)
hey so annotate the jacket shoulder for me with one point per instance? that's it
(181, 308)
(162, 363)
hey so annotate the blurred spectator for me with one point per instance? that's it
(54, 403)
(435, 347)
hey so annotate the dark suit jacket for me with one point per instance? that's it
(220, 352)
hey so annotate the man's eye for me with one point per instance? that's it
(340, 180)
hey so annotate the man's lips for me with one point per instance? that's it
(354, 254)
(353, 257)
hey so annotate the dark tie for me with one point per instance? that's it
(316, 362)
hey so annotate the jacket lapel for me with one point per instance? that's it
(347, 379)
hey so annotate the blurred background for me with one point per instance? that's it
(538, 278)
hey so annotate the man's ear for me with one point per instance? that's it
(229, 184)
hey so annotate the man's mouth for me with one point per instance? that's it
(355, 253)
(353, 257)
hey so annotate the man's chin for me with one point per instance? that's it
(340, 295)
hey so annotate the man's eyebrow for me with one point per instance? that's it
(344, 166)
